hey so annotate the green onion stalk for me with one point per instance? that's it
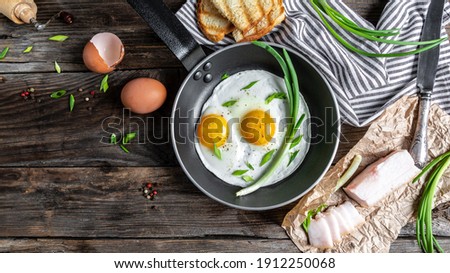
(323, 8)
(424, 229)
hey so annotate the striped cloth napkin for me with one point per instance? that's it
(363, 86)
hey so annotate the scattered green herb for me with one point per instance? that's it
(128, 137)
(247, 178)
(299, 122)
(217, 152)
(4, 52)
(424, 228)
(58, 94)
(113, 138)
(58, 38)
(293, 90)
(296, 141)
(267, 157)
(239, 172)
(28, 49)
(292, 157)
(322, 7)
(57, 68)
(310, 214)
(248, 86)
(71, 102)
(249, 165)
(277, 95)
(229, 103)
(225, 76)
(104, 86)
(349, 173)
(124, 149)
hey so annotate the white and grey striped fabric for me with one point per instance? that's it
(364, 86)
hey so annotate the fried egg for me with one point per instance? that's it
(242, 123)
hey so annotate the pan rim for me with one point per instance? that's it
(186, 172)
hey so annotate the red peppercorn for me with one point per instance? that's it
(22, 95)
(27, 93)
(92, 93)
(66, 17)
(154, 192)
(149, 185)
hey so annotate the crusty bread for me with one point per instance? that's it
(244, 14)
(264, 26)
(213, 25)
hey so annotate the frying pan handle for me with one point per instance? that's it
(167, 26)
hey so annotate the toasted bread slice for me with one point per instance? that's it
(244, 14)
(264, 26)
(213, 25)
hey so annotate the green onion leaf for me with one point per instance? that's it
(292, 157)
(277, 95)
(249, 165)
(124, 149)
(28, 49)
(248, 86)
(239, 172)
(113, 138)
(104, 86)
(217, 152)
(229, 103)
(349, 173)
(247, 178)
(57, 68)
(58, 94)
(267, 157)
(128, 137)
(4, 52)
(310, 214)
(58, 38)
(225, 76)
(299, 122)
(71, 102)
(296, 141)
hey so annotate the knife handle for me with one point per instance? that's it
(419, 145)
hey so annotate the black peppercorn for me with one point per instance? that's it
(66, 17)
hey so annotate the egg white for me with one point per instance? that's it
(237, 152)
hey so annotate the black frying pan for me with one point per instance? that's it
(205, 74)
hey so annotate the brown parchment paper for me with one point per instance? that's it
(391, 131)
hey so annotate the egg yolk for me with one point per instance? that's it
(257, 127)
(212, 129)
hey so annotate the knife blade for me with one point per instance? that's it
(426, 75)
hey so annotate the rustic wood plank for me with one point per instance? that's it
(230, 245)
(47, 134)
(108, 202)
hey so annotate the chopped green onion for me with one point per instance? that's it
(113, 138)
(4, 52)
(248, 86)
(267, 157)
(128, 137)
(58, 94)
(71, 102)
(225, 76)
(292, 157)
(349, 173)
(239, 172)
(28, 49)
(299, 122)
(296, 141)
(58, 38)
(310, 214)
(104, 86)
(247, 178)
(249, 165)
(124, 149)
(217, 152)
(57, 68)
(277, 95)
(229, 103)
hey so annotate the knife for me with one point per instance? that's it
(426, 74)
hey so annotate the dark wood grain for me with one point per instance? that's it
(62, 190)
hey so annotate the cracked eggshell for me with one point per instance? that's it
(103, 52)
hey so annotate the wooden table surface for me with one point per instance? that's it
(61, 190)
